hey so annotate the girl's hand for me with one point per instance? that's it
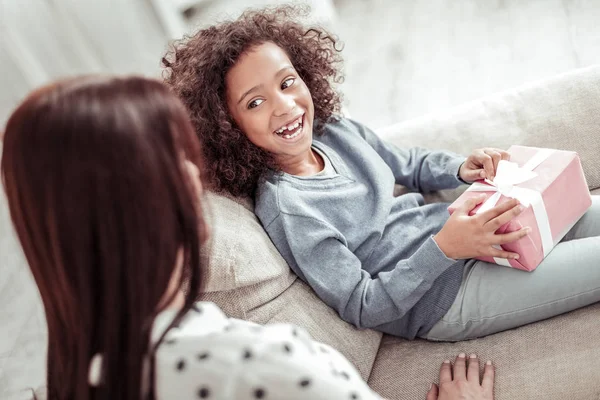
(482, 164)
(466, 236)
(464, 385)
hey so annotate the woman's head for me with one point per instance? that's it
(243, 81)
(96, 172)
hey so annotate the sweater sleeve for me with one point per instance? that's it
(323, 259)
(416, 168)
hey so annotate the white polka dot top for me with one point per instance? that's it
(210, 356)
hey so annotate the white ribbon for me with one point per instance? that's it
(508, 176)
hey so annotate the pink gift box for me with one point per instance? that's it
(566, 198)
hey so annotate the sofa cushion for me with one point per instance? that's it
(562, 113)
(555, 359)
(248, 279)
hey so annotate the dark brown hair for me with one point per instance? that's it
(196, 68)
(97, 192)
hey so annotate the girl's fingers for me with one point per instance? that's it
(474, 174)
(506, 216)
(494, 252)
(512, 237)
(503, 154)
(470, 204)
(498, 210)
(495, 158)
(486, 161)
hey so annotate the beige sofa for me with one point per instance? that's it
(553, 359)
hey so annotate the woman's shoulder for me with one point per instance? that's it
(211, 356)
(205, 325)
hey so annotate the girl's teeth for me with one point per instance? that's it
(291, 136)
(290, 127)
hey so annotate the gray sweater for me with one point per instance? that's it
(369, 255)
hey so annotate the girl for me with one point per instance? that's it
(102, 178)
(260, 94)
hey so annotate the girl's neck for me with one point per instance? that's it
(309, 164)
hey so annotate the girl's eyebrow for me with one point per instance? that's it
(249, 91)
(284, 69)
(287, 67)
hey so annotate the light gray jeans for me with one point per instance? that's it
(493, 298)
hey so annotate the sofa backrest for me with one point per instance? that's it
(248, 279)
(562, 113)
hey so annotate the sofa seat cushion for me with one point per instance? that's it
(555, 359)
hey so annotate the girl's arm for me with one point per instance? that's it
(321, 257)
(417, 168)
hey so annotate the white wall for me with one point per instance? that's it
(42, 40)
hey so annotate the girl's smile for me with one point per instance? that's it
(292, 132)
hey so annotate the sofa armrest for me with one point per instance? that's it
(562, 113)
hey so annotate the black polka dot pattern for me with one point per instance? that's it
(197, 308)
(203, 393)
(304, 383)
(202, 369)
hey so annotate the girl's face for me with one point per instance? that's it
(270, 103)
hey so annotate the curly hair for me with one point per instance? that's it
(196, 66)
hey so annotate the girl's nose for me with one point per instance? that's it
(284, 105)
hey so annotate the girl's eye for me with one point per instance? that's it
(287, 83)
(255, 103)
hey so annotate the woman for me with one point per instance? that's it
(103, 182)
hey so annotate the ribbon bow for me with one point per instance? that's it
(508, 176)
